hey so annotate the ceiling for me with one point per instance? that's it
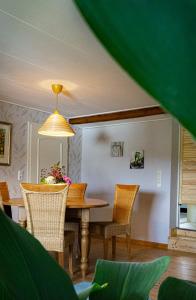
(44, 41)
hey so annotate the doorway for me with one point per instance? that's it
(43, 152)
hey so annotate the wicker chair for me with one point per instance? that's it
(76, 191)
(123, 205)
(45, 207)
(5, 197)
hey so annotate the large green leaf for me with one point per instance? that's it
(128, 280)
(27, 271)
(155, 42)
(174, 288)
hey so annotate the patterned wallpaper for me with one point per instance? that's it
(75, 155)
(19, 117)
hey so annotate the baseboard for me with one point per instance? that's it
(182, 240)
(122, 239)
(144, 243)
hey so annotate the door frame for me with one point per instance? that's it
(29, 126)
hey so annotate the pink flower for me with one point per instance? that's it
(67, 179)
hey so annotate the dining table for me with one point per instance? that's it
(79, 208)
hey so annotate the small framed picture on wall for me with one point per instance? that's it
(137, 159)
(5, 143)
(117, 149)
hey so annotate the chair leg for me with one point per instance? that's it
(89, 244)
(128, 241)
(61, 259)
(71, 259)
(105, 247)
(76, 245)
(77, 251)
(79, 244)
(113, 247)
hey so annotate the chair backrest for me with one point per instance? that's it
(4, 191)
(174, 288)
(45, 206)
(128, 280)
(4, 197)
(125, 195)
(76, 191)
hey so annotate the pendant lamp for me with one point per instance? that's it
(56, 124)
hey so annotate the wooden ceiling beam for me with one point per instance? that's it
(119, 115)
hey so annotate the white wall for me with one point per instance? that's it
(151, 216)
(174, 202)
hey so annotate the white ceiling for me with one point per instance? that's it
(46, 40)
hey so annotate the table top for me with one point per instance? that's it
(71, 202)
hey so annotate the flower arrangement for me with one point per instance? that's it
(55, 175)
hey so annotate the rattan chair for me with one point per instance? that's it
(76, 191)
(45, 207)
(1, 202)
(5, 197)
(121, 224)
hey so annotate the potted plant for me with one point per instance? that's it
(56, 175)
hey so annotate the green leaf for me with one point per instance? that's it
(174, 288)
(155, 42)
(27, 271)
(43, 180)
(93, 288)
(128, 280)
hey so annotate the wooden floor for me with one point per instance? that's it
(183, 265)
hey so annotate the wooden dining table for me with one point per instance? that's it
(81, 209)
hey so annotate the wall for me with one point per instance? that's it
(174, 175)
(151, 216)
(19, 116)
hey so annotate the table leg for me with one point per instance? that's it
(84, 241)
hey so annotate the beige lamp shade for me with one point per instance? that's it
(56, 125)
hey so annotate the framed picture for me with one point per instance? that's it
(117, 149)
(137, 159)
(5, 143)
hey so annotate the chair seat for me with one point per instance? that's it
(108, 229)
